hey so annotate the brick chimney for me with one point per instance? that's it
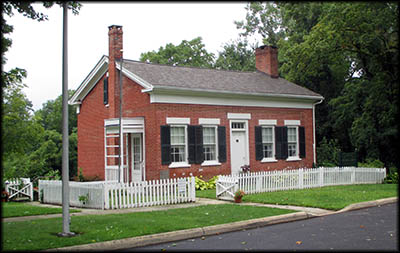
(267, 60)
(115, 45)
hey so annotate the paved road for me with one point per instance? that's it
(373, 228)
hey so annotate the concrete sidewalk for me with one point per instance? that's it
(303, 213)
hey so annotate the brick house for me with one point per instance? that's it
(181, 121)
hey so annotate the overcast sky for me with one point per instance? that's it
(37, 46)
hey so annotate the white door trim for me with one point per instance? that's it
(246, 130)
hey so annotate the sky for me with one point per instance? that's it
(37, 46)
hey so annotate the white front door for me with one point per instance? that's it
(239, 146)
(137, 157)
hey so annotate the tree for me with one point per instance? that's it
(28, 148)
(188, 53)
(347, 52)
(236, 55)
(264, 19)
(50, 115)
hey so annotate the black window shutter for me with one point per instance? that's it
(281, 144)
(302, 142)
(165, 144)
(195, 144)
(198, 133)
(105, 88)
(259, 146)
(191, 144)
(221, 144)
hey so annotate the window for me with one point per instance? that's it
(178, 144)
(210, 143)
(238, 125)
(105, 91)
(292, 142)
(268, 142)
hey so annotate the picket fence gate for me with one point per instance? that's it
(268, 181)
(19, 188)
(113, 195)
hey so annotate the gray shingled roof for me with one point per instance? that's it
(191, 78)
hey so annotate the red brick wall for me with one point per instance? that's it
(91, 132)
(137, 104)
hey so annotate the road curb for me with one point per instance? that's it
(146, 240)
(366, 204)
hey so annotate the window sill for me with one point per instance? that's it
(210, 163)
(294, 158)
(179, 165)
(268, 160)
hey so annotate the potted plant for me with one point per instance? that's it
(245, 168)
(238, 196)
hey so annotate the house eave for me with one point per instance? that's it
(90, 81)
(217, 93)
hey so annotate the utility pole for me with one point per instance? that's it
(65, 143)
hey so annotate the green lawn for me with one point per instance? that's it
(41, 234)
(17, 209)
(328, 197)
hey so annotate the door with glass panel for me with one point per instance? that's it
(137, 157)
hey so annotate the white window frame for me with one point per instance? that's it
(184, 163)
(273, 158)
(269, 123)
(212, 162)
(297, 156)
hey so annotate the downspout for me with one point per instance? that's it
(314, 138)
(121, 139)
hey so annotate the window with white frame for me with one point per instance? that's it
(292, 138)
(178, 144)
(268, 141)
(210, 143)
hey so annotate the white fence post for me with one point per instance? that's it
(301, 178)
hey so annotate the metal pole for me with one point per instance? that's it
(65, 143)
(120, 119)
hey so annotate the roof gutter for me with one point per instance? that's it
(184, 90)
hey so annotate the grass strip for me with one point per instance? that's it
(18, 209)
(328, 197)
(41, 234)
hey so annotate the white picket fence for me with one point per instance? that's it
(268, 181)
(50, 191)
(19, 188)
(112, 195)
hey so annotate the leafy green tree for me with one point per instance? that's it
(264, 19)
(236, 55)
(50, 115)
(348, 52)
(28, 148)
(188, 53)
(20, 130)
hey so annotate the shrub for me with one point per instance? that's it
(392, 177)
(203, 185)
(371, 163)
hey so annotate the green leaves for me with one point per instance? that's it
(188, 53)
(347, 52)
